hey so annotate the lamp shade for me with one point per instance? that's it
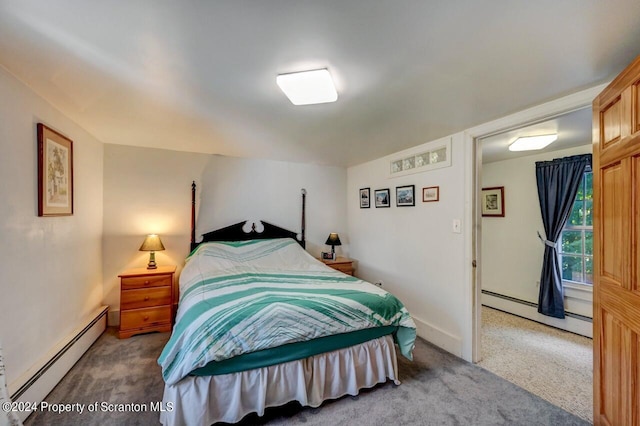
(333, 240)
(152, 242)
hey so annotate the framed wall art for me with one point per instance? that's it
(405, 196)
(382, 198)
(365, 196)
(55, 173)
(430, 193)
(492, 200)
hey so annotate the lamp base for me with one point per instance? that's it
(152, 261)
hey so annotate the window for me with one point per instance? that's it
(430, 156)
(576, 251)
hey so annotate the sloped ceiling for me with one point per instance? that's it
(200, 75)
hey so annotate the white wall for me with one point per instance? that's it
(146, 191)
(413, 250)
(51, 267)
(511, 250)
(237, 189)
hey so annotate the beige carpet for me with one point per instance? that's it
(553, 364)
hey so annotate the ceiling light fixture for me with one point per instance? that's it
(530, 143)
(308, 87)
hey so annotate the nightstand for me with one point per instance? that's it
(146, 300)
(342, 264)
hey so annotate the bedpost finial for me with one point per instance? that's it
(303, 191)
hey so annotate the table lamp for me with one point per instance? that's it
(152, 243)
(333, 240)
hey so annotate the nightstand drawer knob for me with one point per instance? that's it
(147, 282)
(146, 298)
(146, 318)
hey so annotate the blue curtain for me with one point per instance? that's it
(558, 184)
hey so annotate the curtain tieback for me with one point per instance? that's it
(551, 244)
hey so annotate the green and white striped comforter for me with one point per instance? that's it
(241, 297)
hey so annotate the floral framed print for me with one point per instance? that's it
(493, 201)
(382, 197)
(55, 173)
(365, 196)
(405, 196)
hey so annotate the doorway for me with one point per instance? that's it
(511, 245)
(474, 136)
(516, 345)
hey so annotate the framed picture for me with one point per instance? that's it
(55, 173)
(405, 196)
(382, 198)
(365, 195)
(430, 193)
(328, 256)
(493, 201)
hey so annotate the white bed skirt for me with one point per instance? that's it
(203, 400)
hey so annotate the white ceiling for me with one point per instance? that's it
(573, 129)
(200, 75)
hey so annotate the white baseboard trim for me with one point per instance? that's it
(438, 337)
(36, 383)
(574, 325)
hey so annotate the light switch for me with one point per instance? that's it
(457, 226)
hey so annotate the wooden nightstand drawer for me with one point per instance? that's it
(138, 318)
(145, 297)
(129, 283)
(347, 268)
(342, 264)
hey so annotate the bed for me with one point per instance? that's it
(261, 323)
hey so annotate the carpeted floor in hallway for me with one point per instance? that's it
(551, 363)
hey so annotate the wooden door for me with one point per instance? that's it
(616, 294)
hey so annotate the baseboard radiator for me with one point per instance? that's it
(34, 385)
(573, 322)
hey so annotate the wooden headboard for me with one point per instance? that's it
(236, 232)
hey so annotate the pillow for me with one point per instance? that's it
(6, 418)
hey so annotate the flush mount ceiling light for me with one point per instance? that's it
(530, 143)
(308, 87)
